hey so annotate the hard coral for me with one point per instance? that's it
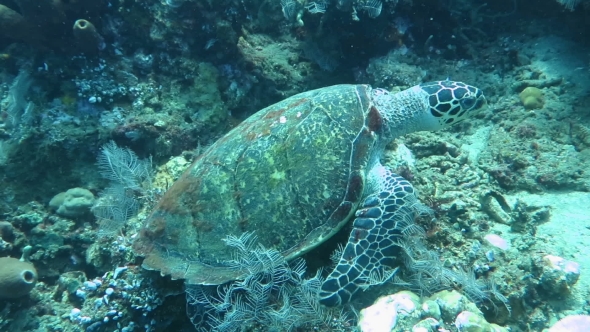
(72, 203)
(532, 98)
(574, 323)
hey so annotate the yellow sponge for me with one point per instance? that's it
(532, 98)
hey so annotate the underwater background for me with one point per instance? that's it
(104, 105)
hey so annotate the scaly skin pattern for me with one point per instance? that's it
(391, 204)
(294, 173)
(372, 244)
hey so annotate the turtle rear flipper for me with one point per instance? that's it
(373, 242)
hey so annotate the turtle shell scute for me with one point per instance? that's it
(293, 174)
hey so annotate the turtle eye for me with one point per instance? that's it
(467, 103)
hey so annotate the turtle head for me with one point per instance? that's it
(451, 102)
(428, 106)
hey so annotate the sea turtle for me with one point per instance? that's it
(295, 173)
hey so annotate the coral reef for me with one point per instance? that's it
(132, 83)
(405, 311)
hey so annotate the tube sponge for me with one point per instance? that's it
(88, 39)
(16, 278)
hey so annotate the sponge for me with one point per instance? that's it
(16, 278)
(88, 39)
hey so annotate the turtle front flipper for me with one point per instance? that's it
(373, 243)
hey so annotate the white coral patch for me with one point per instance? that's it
(497, 241)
